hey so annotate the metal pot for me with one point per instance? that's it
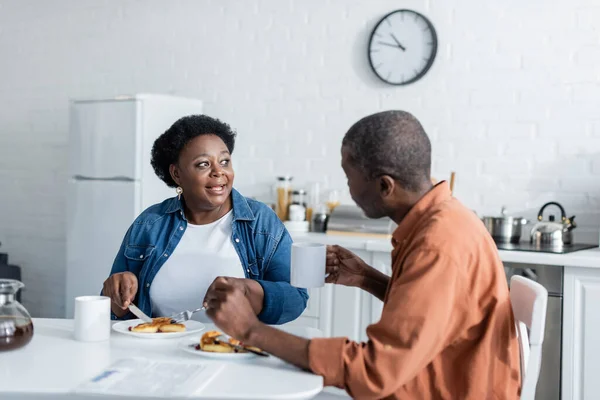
(551, 233)
(504, 229)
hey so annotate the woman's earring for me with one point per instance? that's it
(179, 190)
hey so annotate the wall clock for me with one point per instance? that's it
(402, 47)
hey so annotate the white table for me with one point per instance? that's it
(53, 363)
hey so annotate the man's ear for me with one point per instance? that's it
(174, 171)
(386, 185)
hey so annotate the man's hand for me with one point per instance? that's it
(251, 289)
(121, 288)
(344, 267)
(229, 308)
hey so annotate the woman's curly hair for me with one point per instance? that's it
(168, 146)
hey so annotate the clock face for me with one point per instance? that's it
(402, 48)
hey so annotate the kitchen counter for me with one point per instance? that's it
(583, 258)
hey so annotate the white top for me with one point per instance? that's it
(203, 253)
(583, 258)
(53, 364)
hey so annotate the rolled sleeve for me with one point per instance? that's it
(273, 302)
(325, 357)
(120, 265)
(127, 316)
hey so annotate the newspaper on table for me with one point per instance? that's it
(150, 378)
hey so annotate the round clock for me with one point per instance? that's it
(402, 47)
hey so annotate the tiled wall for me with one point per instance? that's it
(511, 102)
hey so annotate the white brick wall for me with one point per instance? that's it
(511, 102)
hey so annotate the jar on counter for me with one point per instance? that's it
(314, 199)
(333, 199)
(320, 219)
(297, 207)
(283, 189)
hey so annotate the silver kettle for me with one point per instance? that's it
(551, 233)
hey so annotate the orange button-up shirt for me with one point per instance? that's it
(447, 330)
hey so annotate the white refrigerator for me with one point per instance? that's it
(111, 179)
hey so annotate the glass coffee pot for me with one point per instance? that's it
(16, 328)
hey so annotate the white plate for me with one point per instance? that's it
(189, 344)
(123, 327)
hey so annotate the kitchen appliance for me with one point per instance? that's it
(16, 327)
(550, 277)
(351, 220)
(504, 229)
(111, 179)
(8, 271)
(540, 248)
(546, 236)
(3, 257)
(551, 233)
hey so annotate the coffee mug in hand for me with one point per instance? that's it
(92, 318)
(308, 265)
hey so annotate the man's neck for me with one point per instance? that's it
(410, 199)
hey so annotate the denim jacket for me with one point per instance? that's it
(260, 239)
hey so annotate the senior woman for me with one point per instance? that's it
(174, 251)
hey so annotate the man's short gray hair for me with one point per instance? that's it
(391, 143)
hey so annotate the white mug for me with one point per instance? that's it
(92, 318)
(308, 265)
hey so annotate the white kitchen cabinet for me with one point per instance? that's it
(318, 310)
(344, 311)
(581, 333)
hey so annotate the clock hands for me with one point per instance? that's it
(388, 44)
(397, 45)
(397, 42)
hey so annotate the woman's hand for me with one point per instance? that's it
(121, 288)
(344, 267)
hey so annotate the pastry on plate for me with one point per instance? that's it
(145, 328)
(210, 342)
(236, 342)
(161, 320)
(161, 324)
(171, 328)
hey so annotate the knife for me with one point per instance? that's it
(139, 313)
(224, 340)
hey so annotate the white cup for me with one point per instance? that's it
(308, 265)
(92, 318)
